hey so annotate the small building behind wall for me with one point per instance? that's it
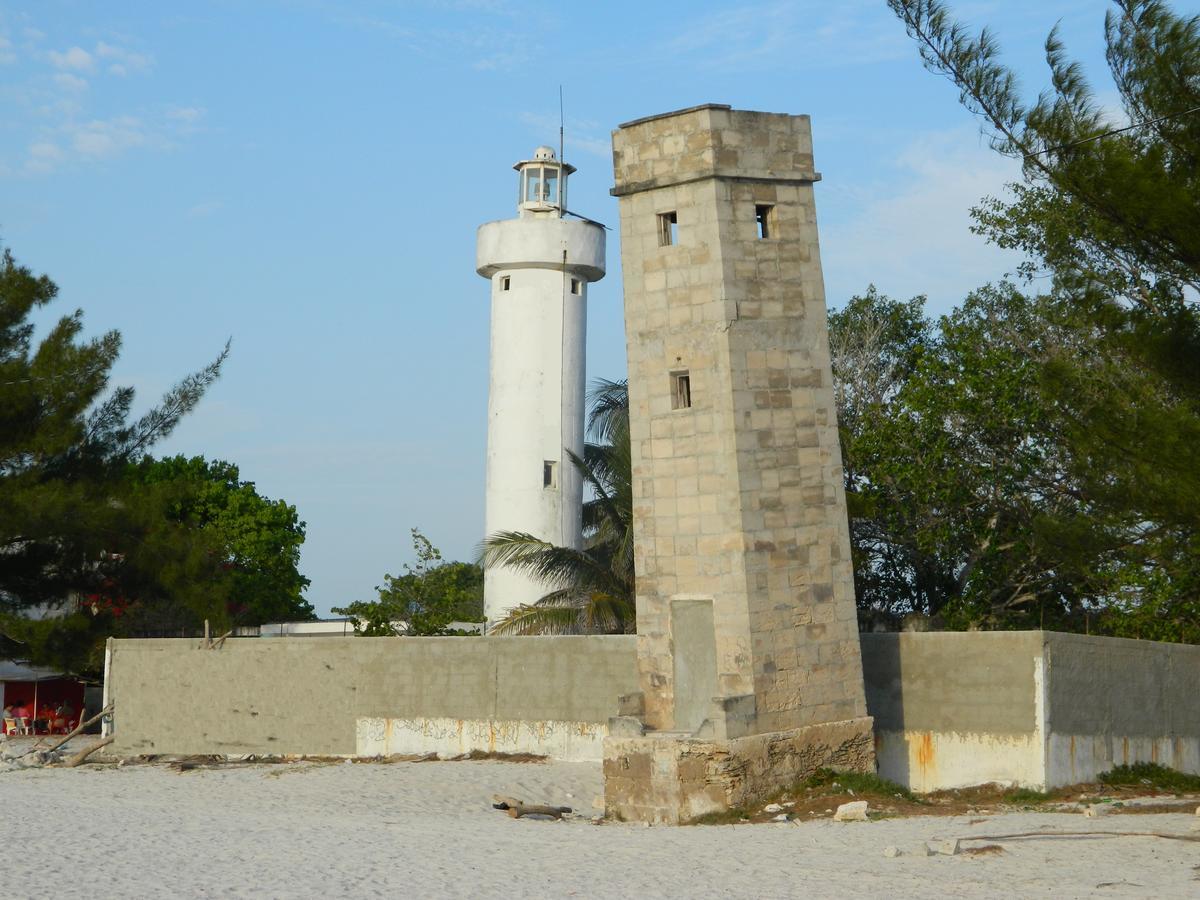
(38, 688)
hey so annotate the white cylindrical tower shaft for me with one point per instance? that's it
(540, 265)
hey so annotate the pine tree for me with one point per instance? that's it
(84, 552)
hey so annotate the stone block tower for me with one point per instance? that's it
(748, 648)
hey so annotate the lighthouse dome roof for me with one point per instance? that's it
(543, 152)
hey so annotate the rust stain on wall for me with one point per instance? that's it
(926, 759)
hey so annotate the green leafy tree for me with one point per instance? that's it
(876, 345)
(950, 467)
(591, 590)
(83, 552)
(962, 484)
(428, 599)
(260, 538)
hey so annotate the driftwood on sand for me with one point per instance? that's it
(78, 729)
(517, 808)
(72, 761)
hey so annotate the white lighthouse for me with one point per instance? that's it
(540, 265)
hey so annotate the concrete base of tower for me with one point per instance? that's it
(672, 779)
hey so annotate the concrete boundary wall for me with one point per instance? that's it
(1039, 709)
(305, 695)
(951, 709)
(954, 708)
(1113, 701)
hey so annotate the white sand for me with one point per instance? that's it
(427, 830)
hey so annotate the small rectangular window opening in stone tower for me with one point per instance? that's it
(505, 282)
(550, 474)
(576, 286)
(668, 229)
(681, 390)
(764, 217)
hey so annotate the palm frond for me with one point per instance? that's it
(608, 412)
(538, 619)
(552, 565)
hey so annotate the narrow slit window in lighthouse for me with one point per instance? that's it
(576, 286)
(550, 474)
(505, 282)
(764, 217)
(681, 390)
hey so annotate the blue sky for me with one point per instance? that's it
(306, 177)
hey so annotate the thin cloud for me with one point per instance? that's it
(477, 44)
(75, 58)
(101, 140)
(189, 114)
(910, 233)
(500, 61)
(105, 138)
(584, 135)
(54, 103)
(69, 82)
(185, 120)
(205, 209)
(787, 35)
(121, 61)
(8, 56)
(44, 156)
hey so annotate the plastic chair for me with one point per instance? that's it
(10, 725)
(24, 725)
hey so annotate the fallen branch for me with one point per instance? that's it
(1053, 834)
(556, 811)
(83, 754)
(517, 808)
(82, 725)
(78, 728)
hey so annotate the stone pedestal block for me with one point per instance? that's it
(663, 779)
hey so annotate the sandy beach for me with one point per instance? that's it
(428, 830)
